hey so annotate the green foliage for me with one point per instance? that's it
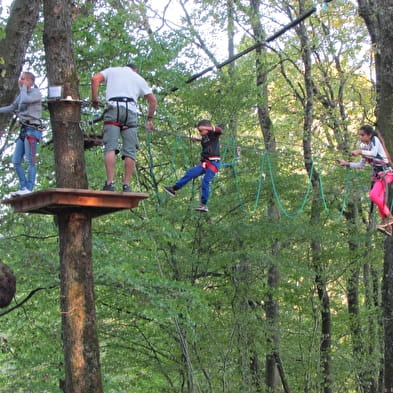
(182, 295)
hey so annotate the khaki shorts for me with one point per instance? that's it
(112, 133)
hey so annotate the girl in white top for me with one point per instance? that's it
(375, 154)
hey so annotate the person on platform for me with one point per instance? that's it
(123, 88)
(28, 108)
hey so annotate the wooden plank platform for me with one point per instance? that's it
(62, 200)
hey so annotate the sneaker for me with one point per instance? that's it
(126, 188)
(170, 190)
(23, 191)
(385, 229)
(202, 208)
(108, 187)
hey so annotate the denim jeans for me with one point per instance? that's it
(193, 173)
(26, 147)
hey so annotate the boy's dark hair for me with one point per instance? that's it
(132, 66)
(203, 123)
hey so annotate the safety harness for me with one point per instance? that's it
(118, 123)
(206, 163)
(380, 170)
(31, 139)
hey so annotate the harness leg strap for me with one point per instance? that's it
(207, 164)
(31, 140)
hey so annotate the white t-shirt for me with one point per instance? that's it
(124, 82)
(373, 153)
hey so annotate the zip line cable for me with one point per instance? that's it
(258, 45)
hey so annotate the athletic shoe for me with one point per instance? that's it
(202, 208)
(23, 191)
(385, 229)
(108, 187)
(126, 188)
(170, 190)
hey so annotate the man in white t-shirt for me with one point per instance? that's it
(123, 88)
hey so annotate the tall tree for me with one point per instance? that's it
(81, 351)
(316, 244)
(191, 307)
(20, 25)
(378, 16)
(266, 126)
(18, 31)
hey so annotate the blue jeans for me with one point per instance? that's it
(195, 172)
(26, 147)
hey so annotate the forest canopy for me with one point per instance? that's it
(280, 286)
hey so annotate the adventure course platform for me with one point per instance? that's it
(62, 200)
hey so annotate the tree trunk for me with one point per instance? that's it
(271, 308)
(249, 367)
(81, 349)
(315, 220)
(378, 16)
(80, 340)
(372, 377)
(20, 25)
(18, 31)
(387, 302)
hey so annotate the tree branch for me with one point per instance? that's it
(34, 291)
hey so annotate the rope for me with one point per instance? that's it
(261, 178)
(345, 198)
(277, 196)
(231, 159)
(258, 45)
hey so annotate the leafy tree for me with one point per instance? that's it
(187, 302)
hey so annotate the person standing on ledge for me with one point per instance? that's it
(27, 106)
(123, 88)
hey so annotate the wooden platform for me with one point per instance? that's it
(62, 200)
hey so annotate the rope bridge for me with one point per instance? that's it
(182, 153)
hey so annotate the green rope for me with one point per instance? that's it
(149, 137)
(261, 178)
(178, 142)
(345, 198)
(277, 196)
(180, 148)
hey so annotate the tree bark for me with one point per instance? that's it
(18, 31)
(81, 349)
(271, 308)
(315, 219)
(378, 16)
(80, 339)
(20, 25)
